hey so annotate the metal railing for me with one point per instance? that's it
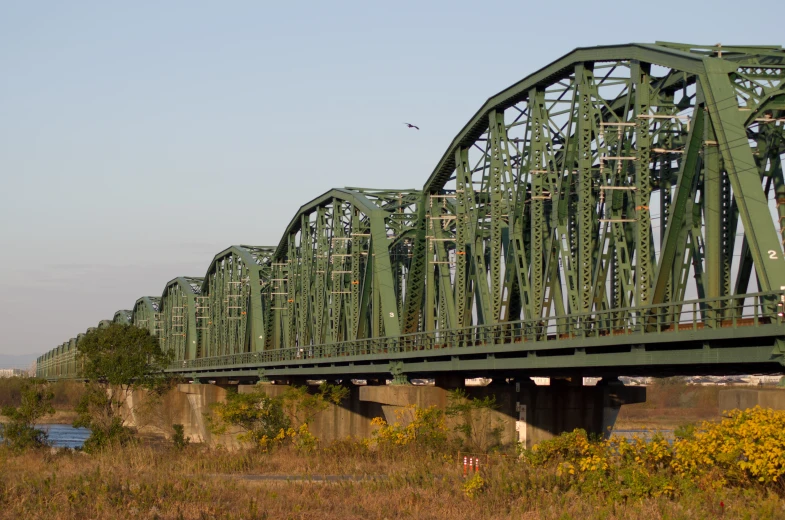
(711, 313)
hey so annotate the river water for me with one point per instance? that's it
(65, 435)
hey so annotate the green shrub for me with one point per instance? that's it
(96, 411)
(415, 427)
(178, 438)
(118, 360)
(20, 432)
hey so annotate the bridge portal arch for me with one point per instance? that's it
(147, 315)
(179, 324)
(616, 177)
(229, 312)
(123, 317)
(339, 270)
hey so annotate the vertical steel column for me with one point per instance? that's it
(763, 240)
(463, 190)
(537, 205)
(643, 253)
(586, 129)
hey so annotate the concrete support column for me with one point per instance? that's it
(449, 381)
(199, 399)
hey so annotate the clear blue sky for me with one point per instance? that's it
(138, 139)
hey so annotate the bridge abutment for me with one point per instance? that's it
(524, 412)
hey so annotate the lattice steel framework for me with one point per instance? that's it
(178, 308)
(339, 272)
(230, 310)
(123, 317)
(615, 177)
(613, 192)
(147, 315)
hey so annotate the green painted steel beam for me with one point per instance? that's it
(147, 315)
(728, 124)
(178, 308)
(123, 317)
(678, 217)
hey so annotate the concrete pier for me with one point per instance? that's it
(524, 412)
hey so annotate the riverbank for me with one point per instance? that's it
(340, 481)
(59, 417)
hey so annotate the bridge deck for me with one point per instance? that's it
(705, 335)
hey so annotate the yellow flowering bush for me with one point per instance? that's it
(474, 486)
(302, 438)
(747, 446)
(260, 419)
(263, 421)
(573, 450)
(651, 455)
(413, 426)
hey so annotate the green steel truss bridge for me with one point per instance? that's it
(619, 211)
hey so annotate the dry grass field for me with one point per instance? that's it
(359, 480)
(196, 483)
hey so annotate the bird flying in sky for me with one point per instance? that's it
(412, 126)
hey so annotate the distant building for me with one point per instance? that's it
(13, 372)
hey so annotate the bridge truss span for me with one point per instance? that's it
(600, 183)
(178, 316)
(623, 206)
(147, 315)
(230, 310)
(340, 270)
(123, 317)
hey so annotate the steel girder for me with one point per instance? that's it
(178, 307)
(147, 315)
(229, 312)
(571, 192)
(598, 194)
(74, 360)
(123, 317)
(339, 271)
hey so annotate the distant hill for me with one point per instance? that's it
(17, 361)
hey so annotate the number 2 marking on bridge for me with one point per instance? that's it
(772, 254)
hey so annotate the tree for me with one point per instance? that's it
(20, 432)
(117, 360)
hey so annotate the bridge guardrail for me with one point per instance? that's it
(729, 311)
